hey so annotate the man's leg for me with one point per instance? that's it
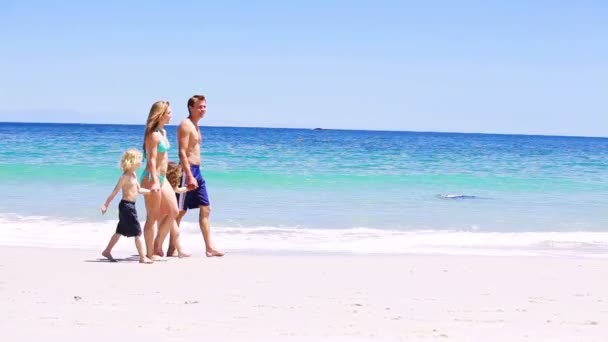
(204, 223)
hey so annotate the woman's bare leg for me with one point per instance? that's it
(168, 213)
(140, 250)
(152, 201)
(168, 224)
(149, 230)
(161, 235)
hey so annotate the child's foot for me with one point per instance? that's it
(213, 253)
(108, 256)
(145, 260)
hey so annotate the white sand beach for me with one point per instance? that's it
(70, 295)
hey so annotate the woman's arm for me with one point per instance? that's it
(152, 153)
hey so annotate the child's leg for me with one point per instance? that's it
(177, 243)
(140, 250)
(108, 251)
(172, 251)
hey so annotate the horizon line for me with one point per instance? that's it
(316, 128)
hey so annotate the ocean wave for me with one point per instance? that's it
(456, 196)
(47, 232)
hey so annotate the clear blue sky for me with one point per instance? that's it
(538, 67)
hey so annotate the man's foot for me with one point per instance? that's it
(213, 253)
(145, 260)
(172, 252)
(159, 253)
(108, 256)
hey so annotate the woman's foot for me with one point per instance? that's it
(154, 257)
(183, 255)
(145, 260)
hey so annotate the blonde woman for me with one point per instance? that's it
(161, 204)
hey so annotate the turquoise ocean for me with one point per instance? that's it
(324, 191)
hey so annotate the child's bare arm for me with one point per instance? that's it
(141, 190)
(117, 188)
(180, 189)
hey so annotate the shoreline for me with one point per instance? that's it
(71, 294)
(42, 232)
(126, 247)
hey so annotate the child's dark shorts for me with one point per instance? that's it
(128, 224)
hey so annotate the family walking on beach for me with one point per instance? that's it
(169, 188)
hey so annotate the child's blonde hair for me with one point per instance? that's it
(174, 174)
(131, 160)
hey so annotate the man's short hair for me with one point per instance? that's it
(194, 99)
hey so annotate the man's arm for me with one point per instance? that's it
(183, 142)
(180, 190)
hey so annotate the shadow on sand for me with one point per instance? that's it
(132, 258)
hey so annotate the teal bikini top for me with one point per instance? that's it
(163, 144)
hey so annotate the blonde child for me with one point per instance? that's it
(128, 223)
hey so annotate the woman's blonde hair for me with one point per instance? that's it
(174, 174)
(131, 160)
(158, 109)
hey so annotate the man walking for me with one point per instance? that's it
(189, 140)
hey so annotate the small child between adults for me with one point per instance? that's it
(174, 176)
(128, 223)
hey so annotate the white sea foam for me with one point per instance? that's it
(50, 232)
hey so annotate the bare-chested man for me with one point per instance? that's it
(189, 139)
